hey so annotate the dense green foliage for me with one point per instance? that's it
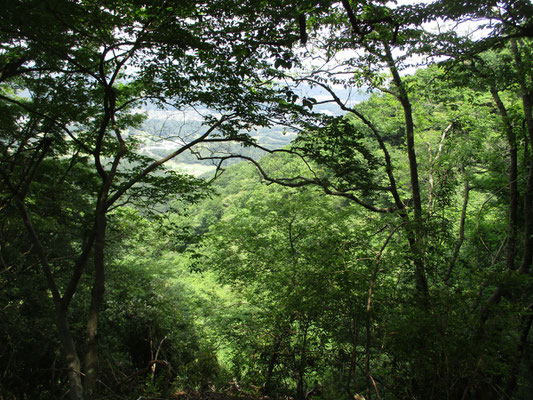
(386, 252)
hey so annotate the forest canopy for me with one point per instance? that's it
(386, 252)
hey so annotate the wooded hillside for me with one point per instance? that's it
(385, 253)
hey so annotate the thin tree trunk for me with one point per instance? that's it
(511, 247)
(432, 163)
(503, 290)
(300, 392)
(461, 232)
(527, 96)
(65, 335)
(510, 251)
(100, 225)
(97, 296)
(272, 364)
(415, 233)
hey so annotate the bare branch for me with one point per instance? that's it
(300, 181)
(123, 188)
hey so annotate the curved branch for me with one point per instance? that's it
(34, 238)
(300, 181)
(127, 185)
(388, 163)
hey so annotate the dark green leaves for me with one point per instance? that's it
(344, 150)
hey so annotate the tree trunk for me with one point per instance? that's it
(527, 96)
(65, 335)
(71, 356)
(461, 238)
(97, 296)
(510, 251)
(300, 390)
(272, 364)
(415, 233)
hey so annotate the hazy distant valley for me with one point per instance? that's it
(165, 130)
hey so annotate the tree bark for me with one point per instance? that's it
(527, 99)
(415, 233)
(272, 364)
(97, 296)
(73, 362)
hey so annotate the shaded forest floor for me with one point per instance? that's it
(214, 396)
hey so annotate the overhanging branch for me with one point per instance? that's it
(300, 181)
